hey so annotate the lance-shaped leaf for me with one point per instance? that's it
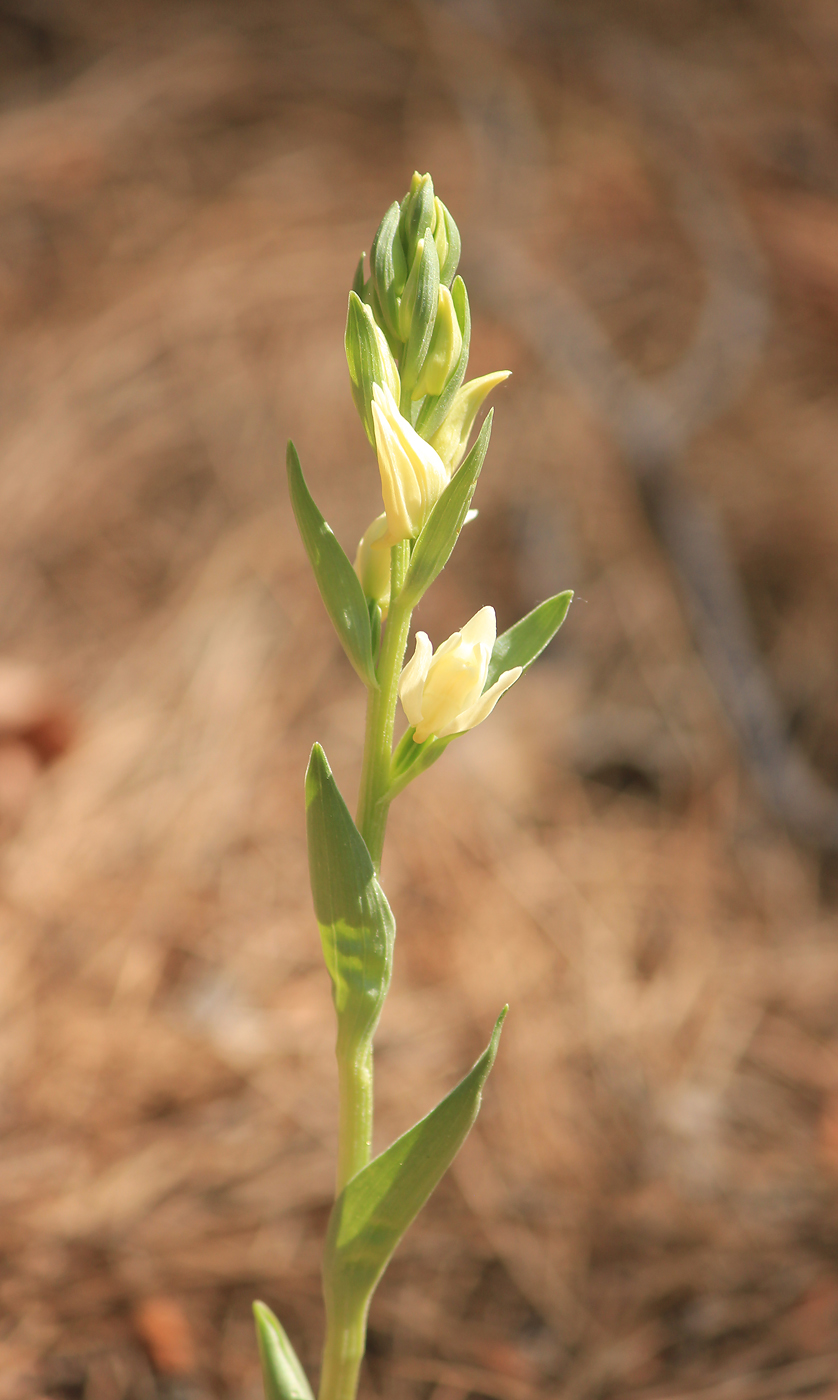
(528, 638)
(433, 410)
(338, 583)
(377, 1206)
(356, 925)
(282, 1374)
(439, 534)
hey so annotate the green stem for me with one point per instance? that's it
(373, 803)
(355, 1111)
(346, 1339)
(346, 1333)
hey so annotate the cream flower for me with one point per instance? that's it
(412, 474)
(372, 563)
(442, 694)
(451, 438)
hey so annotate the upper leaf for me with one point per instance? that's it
(356, 926)
(377, 1206)
(282, 1374)
(528, 638)
(439, 534)
(336, 578)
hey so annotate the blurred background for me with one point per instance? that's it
(638, 852)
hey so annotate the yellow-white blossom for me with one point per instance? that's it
(372, 563)
(443, 694)
(451, 438)
(412, 474)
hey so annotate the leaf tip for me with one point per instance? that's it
(318, 772)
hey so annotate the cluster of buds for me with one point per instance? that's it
(407, 342)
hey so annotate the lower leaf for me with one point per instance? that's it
(376, 1207)
(282, 1374)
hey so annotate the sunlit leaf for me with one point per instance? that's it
(439, 534)
(282, 1374)
(356, 925)
(376, 1207)
(338, 583)
(521, 644)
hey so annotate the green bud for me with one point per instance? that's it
(450, 440)
(418, 213)
(434, 410)
(444, 352)
(447, 240)
(389, 268)
(418, 310)
(369, 359)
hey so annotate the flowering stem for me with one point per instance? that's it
(346, 1328)
(355, 1111)
(374, 798)
(346, 1337)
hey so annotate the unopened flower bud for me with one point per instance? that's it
(447, 240)
(418, 310)
(418, 213)
(451, 437)
(372, 563)
(444, 351)
(412, 475)
(443, 694)
(389, 268)
(369, 359)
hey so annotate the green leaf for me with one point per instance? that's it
(528, 638)
(358, 283)
(282, 1374)
(336, 578)
(356, 925)
(439, 533)
(433, 410)
(376, 1207)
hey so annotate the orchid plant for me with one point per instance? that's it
(407, 344)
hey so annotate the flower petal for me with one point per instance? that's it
(481, 628)
(412, 474)
(412, 679)
(476, 713)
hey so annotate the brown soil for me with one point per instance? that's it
(649, 1204)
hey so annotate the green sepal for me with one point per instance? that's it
(521, 644)
(376, 1207)
(448, 266)
(417, 313)
(338, 583)
(438, 536)
(389, 268)
(357, 928)
(282, 1374)
(410, 759)
(433, 410)
(368, 359)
